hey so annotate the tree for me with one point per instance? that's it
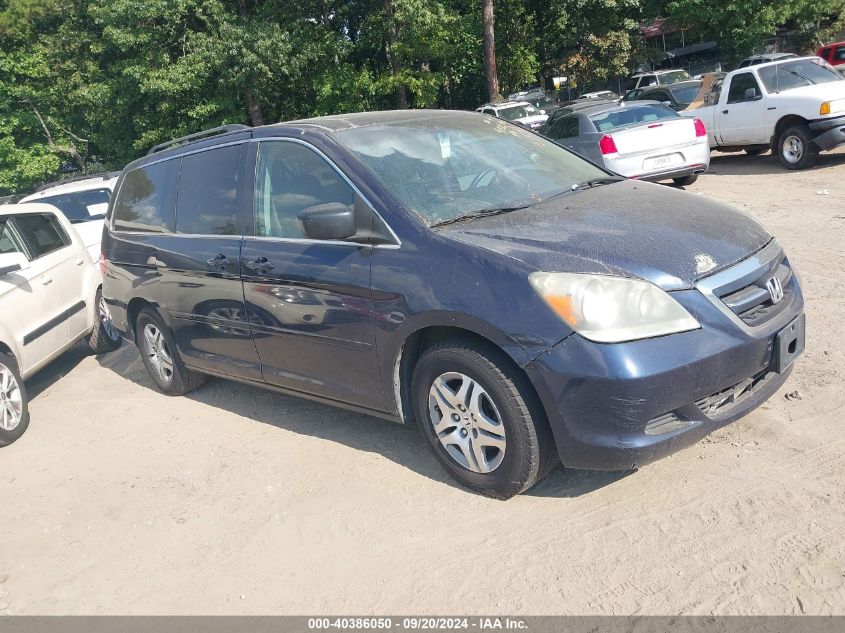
(489, 38)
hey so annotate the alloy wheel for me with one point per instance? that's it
(793, 149)
(106, 320)
(11, 400)
(155, 347)
(467, 422)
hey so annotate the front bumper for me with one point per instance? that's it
(610, 406)
(830, 133)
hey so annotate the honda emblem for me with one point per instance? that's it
(775, 289)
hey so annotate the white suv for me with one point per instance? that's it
(84, 201)
(520, 112)
(49, 299)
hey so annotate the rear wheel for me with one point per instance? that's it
(161, 358)
(14, 402)
(104, 337)
(685, 181)
(481, 419)
(796, 149)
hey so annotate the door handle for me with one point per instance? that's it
(79, 261)
(260, 265)
(724, 111)
(46, 281)
(220, 262)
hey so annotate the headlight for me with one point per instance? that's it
(832, 107)
(612, 309)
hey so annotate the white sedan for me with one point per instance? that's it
(637, 139)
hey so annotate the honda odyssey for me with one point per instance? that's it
(518, 303)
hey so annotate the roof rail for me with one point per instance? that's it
(223, 129)
(104, 175)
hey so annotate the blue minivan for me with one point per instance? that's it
(517, 303)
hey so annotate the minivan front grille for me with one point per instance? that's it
(753, 303)
(755, 290)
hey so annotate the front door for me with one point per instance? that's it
(742, 118)
(309, 301)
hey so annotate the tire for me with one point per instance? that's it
(14, 402)
(161, 357)
(796, 149)
(104, 337)
(518, 450)
(756, 151)
(685, 181)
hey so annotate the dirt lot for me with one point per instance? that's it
(233, 500)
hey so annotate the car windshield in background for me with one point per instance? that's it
(674, 77)
(686, 94)
(797, 74)
(447, 168)
(631, 115)
(517, 112)
(81, 206)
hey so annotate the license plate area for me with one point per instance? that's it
(789, 343)
(662, 162)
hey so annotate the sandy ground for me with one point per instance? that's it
(234, 500)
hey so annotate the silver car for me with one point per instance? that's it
(644, 139)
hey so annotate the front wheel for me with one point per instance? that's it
(14, 402)
(685, 181)
(481, 419)
(796, 149)
(161, 358)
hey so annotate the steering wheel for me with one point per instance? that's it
(477, 180)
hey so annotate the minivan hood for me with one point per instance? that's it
(632, 229)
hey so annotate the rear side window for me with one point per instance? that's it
(81, 206)
(686, 94)
(825, 53)
(209, 191)
(42, 233)
(566, 128)
(839, 55)
(631, 116)
(146, 199)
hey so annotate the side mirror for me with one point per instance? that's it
(333, 221)
(751, 94)
(12, 263)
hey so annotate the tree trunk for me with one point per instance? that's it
(400, 97)
(256, 115)
(490, 50)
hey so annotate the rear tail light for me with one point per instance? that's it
(607, 145)
(700, 130)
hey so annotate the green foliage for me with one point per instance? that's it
(87, 84)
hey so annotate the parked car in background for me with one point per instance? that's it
(83, 201)
(764, 58)
(600, 95)
(795, 107)
(642, 140)
(657, 78)
(501, 292)
(833, 54)
(677, 96)
(50, 298)
(573, 106)
(544, 104)
(520, 112)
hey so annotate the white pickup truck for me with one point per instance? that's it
(796, 107)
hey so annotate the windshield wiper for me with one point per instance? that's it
(596, 182)
(480, 213)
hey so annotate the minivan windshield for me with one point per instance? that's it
(797, 74)
(447, 167)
